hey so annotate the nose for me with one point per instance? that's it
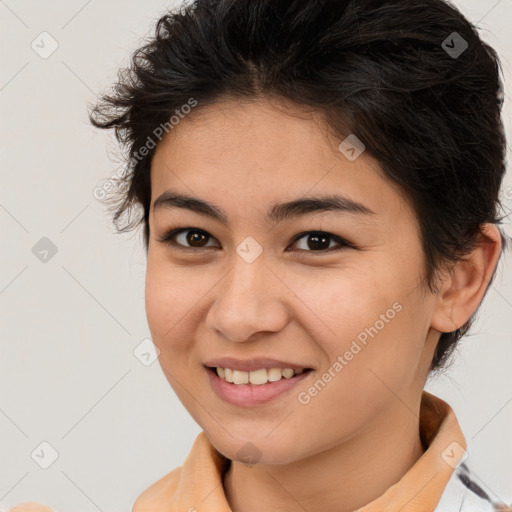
(249, 301)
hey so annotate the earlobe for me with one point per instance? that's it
(464, 285)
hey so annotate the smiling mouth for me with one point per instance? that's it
(257, 377)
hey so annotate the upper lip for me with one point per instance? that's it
(246, 365)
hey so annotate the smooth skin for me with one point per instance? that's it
(360, 434)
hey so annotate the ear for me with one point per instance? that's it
(465, 284)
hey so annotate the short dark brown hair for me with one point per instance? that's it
(411, 79)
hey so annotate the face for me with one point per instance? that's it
(314, 285)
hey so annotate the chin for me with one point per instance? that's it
(252, 450)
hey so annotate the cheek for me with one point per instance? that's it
(159, 299)
(368, 361)
(172, 299)
(340, 303)
(170, 295)
(373, 315)
(177, 299)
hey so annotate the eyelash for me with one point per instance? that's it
(167, 239)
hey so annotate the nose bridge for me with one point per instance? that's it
(244, 303)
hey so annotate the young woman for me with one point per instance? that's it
(318, 184)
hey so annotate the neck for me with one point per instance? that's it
(342, 478)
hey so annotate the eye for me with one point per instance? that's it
(320, 242)
(195, 238)
(181, 236)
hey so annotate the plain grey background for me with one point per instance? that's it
(70, 325)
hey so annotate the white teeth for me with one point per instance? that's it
(240, 377)
(274, 374)
(256, 377)
(287, 373)
(228, 374)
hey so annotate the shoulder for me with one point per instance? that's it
(159, 496)
(29, 507)
(463, 494)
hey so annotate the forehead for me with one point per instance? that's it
(253, 153)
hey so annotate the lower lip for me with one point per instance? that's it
(247, 395)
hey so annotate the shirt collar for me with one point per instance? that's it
(198, 484)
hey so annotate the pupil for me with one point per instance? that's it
(194, 237)
(317, 241)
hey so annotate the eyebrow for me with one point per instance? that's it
(278, 212)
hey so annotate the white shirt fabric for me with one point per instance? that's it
(460, 497)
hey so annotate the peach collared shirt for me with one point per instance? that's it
(198, 483)
(435, 483)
